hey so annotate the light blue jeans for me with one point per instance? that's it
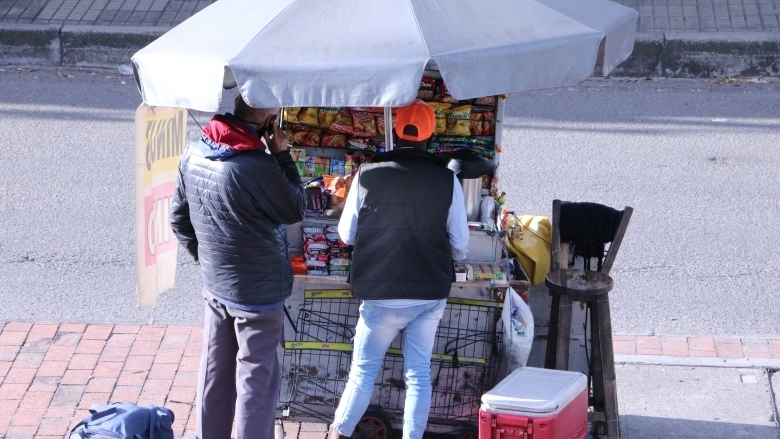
(375, 331)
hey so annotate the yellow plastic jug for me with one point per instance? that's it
(531, 245)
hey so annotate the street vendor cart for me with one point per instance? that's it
(322, 314)
(337, 69)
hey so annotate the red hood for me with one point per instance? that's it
(231, 133)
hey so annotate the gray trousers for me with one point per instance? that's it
(239, 374)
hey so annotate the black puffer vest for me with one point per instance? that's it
(402, 249)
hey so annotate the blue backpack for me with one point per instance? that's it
(125, 421)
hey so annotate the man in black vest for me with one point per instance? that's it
(406, 217)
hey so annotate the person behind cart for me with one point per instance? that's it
(230, 206)
(406, 217)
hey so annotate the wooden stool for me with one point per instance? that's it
(566, 286)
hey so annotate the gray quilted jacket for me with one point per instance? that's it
(229, 210)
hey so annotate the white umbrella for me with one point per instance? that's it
(373, 53)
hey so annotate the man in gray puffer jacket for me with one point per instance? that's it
(233, 197)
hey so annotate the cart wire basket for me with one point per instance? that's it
(465, 362)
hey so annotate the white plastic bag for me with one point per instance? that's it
(518, 329)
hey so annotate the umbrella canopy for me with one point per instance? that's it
(357, 53)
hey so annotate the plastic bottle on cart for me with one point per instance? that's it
(487, 210)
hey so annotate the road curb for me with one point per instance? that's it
(677, 55)
(703, 55)
(73, 45)
(30, 44)
(665, 360)
(104, 46)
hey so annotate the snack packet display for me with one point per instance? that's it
(427, 90)
(306, 136)
(299, 155)
(349, 164)
(309, 167)
(310, 116)
(343, 122)
(486, 100)
(448, 144)
(361, 145)
(334, 140)
(337, 166)
(488, 127)
(444, 94)
(314, 201)
(458, 127)
(461, 112)
(291, 114)
(476, 127)
(441, 126)
(326, 116)
(375, 110)
(439, 109)
(380, 124)
(321, 166)
(364, 124)
(298, 265)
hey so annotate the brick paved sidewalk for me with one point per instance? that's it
(700, 347)
(51, 373)
(654, 15)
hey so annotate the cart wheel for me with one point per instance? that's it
(279, 430)
(468, 434)
(373, 425)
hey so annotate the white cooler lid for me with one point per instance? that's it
(534, 390)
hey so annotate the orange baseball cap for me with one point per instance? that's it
(416, 117)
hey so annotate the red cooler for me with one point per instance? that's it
(534, 403)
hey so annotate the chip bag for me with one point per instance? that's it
(291, 114)
(458, 127)
(427, 90)
(364, 124)
(461, 112)
(321, 166)
(441, 126)
(439, 109)
(306, 136)
(444, 94)
(476, 128)
(310, 116)
(380, 124)
(488, 127)
(334, 140)
(486, 100)
(326, 116)
(343, 122)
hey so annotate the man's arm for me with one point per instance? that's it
(281, 196)
(180, 218)
(280, 191)
(349, 217)
(457, 224)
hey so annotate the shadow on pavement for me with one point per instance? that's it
(647, 427)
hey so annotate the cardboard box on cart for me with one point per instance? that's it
(532, 403)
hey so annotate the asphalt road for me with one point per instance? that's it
(697, 160)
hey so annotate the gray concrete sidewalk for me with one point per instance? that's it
(658, 401)
(676, 38)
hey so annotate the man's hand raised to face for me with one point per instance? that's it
(275, 138)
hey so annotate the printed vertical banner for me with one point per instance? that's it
(160, 137)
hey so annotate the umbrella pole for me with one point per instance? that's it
(388, 129)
